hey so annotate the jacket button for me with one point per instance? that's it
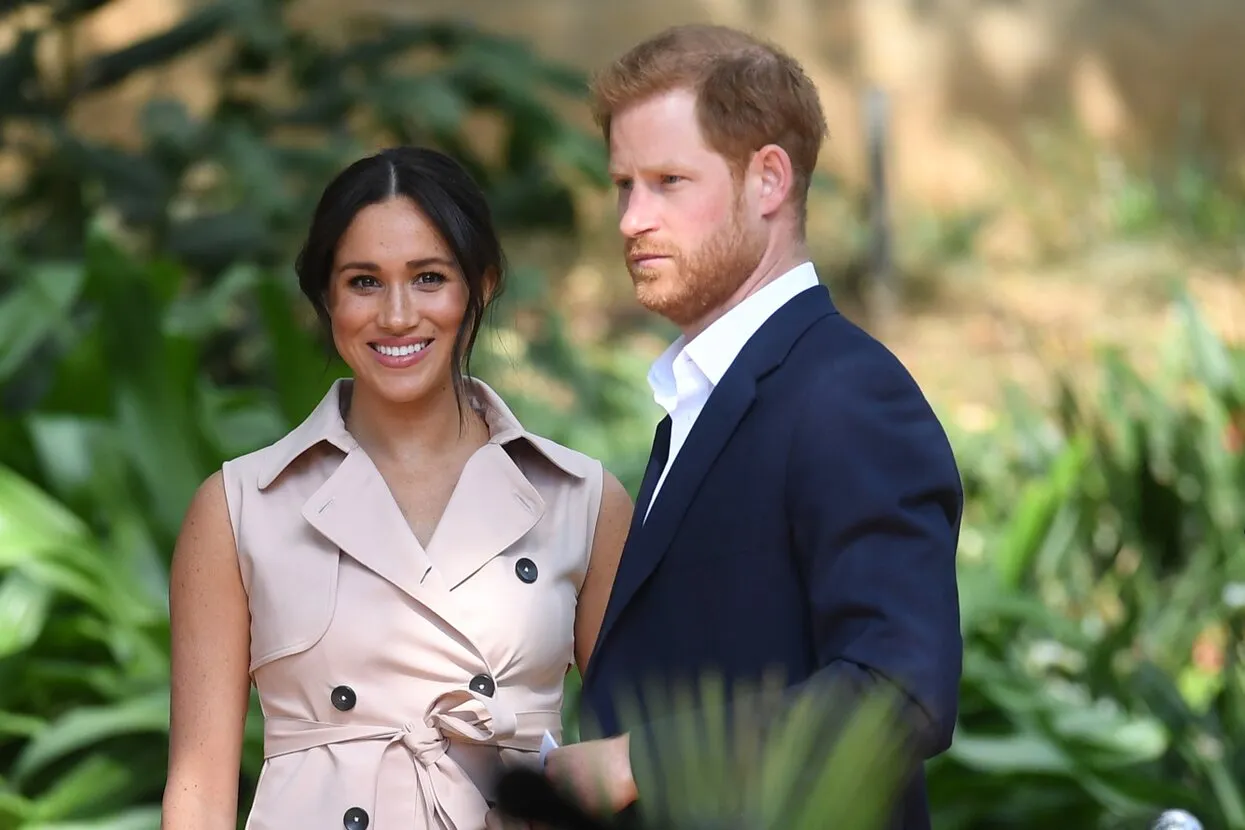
(526, 570)
(482, 684)
(355, 819)
(344, 700)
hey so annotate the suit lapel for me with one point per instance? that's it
(725, 409)
(625, 576)
(652, 473)
(649, 539)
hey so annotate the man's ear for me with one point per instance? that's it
(772, 165)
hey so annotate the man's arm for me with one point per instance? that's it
(875, 502)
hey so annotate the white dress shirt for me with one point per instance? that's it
(687, 372)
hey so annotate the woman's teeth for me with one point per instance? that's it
(400, 351)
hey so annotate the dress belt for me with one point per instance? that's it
(459, 716)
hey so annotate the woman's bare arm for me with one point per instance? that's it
(210, 623)
(613, 524)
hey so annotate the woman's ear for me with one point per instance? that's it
(490, 285)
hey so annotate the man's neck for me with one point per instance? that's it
(771, 268)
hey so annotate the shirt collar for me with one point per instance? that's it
(327, 424)
(715, 349)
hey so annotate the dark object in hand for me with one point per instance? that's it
(529, 796)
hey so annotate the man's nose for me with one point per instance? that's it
(636, 214)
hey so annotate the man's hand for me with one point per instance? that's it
(597, 773)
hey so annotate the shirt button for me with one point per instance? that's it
(526, 570)
(482, 684)
(355, 819)
(344, 698)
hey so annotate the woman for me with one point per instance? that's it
(406, 576)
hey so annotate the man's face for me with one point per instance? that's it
(691, 236)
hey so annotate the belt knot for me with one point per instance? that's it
(424, 742)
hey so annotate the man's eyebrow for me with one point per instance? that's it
(663, 167)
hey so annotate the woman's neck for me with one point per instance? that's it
(418, 430)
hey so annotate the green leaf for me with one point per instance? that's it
(87, 726)
(136, 818)
(37, 310)
(1211, 364)
(1009, 754)
(96, 779)
(195, 315)
(29, 519)
(24, 607)
(1039, 505)
(19, 725)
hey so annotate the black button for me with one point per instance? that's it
(483, 684)
(344, 699)
(525, 569)
(355, 819)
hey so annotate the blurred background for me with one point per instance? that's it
(1039, 205)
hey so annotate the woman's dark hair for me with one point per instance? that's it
(449, 198)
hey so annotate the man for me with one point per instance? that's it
(801, 506)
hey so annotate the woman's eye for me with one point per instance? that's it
(430, 278)
(364, 281)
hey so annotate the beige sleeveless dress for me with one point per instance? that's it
(396, 680)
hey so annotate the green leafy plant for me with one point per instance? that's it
(1097, 558)
(736, 757)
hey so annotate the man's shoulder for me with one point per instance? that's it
(836, 346)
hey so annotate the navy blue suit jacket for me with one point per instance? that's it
(809, 524)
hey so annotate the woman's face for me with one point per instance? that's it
(396, 300)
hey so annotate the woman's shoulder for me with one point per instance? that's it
(260, 467)
(507, 429)
(576, 463)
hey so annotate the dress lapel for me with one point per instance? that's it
(492, 507)
(726, 407)
(354, 510)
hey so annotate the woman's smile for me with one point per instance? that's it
(400, 352)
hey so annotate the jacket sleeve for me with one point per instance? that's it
(875, 501)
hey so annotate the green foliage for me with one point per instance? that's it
(1103, 548)
(766, 759)
(235, 183)
(149, 329)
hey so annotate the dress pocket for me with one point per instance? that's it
(292, 599)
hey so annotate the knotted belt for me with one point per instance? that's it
(459, 716)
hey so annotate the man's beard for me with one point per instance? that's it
(702, 280)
